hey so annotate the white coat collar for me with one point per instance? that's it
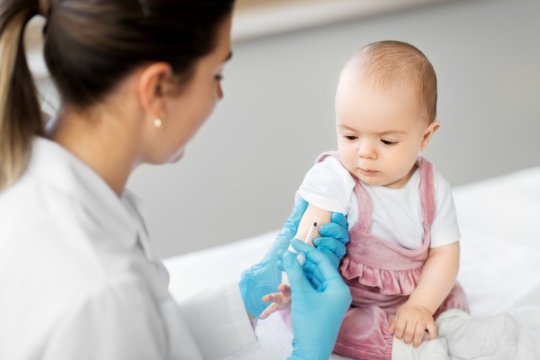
(64, 171)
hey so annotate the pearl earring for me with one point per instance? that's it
(158, 123)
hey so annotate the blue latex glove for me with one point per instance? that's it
(264, 277)
(332, 243)
(334, 237)
(317, 314)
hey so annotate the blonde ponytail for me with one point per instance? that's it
(20, 116)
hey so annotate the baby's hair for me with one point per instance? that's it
(388, 62)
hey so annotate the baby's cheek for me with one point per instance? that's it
(347, 159)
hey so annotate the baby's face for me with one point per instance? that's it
(380, 131)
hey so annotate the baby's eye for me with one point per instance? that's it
(218, 77)
(388, 142)
(351, 137)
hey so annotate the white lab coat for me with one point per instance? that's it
(79, 279)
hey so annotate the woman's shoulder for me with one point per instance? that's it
(50, 231)
(29, 204)
(50, 244)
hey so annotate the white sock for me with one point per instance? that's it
(494, 337)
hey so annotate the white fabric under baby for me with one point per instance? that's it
(435, 349)
(467, 337)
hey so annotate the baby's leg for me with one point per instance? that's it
(364, 334)
(435, 349)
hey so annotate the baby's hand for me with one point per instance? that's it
(411, 322)
(280, 300)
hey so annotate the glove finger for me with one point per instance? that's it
(326, 244)
(258, 280)
(291, 225)
(300, 246)
(330, 255)
(326, 270)
(340, 219)
(295, 273)
(309, 268)
(335, 231)
(313, 274)
(316, 284)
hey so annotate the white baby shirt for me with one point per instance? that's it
(397, 213)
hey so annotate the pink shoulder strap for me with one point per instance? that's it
(327, 154)
(427, 196)
(364, 202)
(365, 208)
(427, 192)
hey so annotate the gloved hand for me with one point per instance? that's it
(316, 313)
(264, 277)
(334, 237)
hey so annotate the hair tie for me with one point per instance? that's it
(44, 8)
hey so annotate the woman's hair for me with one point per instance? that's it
(89, 46)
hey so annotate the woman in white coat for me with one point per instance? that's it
(78, 277)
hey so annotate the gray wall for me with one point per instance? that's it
(240, 173)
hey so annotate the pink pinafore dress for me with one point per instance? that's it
(382, 275)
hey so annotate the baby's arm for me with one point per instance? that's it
(282, 299)
(306, 222)
(437, 279)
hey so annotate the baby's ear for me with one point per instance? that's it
(428, 133)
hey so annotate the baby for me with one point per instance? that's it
(403, 256)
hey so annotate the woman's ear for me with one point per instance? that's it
(152, 88)
(428, 133)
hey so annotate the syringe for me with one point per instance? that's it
(309, 240)
(301, 260)
(312, 231)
